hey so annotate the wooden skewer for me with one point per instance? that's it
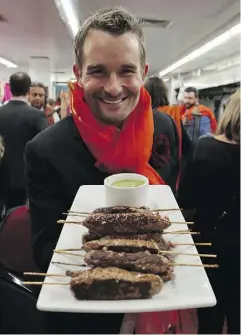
(74, 249)
(198, 265)
(170, 264)
(177, 244)
(76, 213)
(84, 215)
(182, 222)
(69, 222)
(42, 283)
(81, 222)
(64, 275)
(166, 210)
(180, 232)
(42, 274)
(71, 264)
(186, 254)
(67, 253)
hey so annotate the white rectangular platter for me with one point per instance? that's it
(190, 287)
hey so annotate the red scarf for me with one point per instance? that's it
(118, 150)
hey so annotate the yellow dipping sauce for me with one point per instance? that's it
(128, 183)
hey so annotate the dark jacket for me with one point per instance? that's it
(19, 123)
(58, 163)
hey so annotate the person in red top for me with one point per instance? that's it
(197, 119)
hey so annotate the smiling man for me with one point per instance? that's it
(112, 129)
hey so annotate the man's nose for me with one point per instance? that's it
(113, 85)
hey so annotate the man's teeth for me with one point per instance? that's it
(112, 101)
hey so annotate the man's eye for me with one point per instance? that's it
(128, 71)
(96, 72)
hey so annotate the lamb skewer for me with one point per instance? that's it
(122, 245)
(165, 253)
(139, 262)
(125, 223)
(111, 284)
(156, 237)
(131, 246)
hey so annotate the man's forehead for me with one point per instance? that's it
(189, 94)
(37, 89)
(98, 45)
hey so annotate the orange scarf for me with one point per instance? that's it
(205, 111)
(118, 150)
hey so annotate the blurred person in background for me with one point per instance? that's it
(51, 112)
(211, 186)
(19, 123)
(157, 89)
(62, 106)
(38, 96)
(50, 103)
(198, 120)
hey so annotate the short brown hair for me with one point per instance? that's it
(192, 89)
(115, 21)
(229, 125)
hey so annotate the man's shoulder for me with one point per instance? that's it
(205, 109)
(24, 107)
(54, 135)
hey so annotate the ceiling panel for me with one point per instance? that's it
(34, 28)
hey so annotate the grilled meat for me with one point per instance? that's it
(167, 275)
(156, 237)
(140, 261)
(120, 209)
(114, 284)
(89, 237)
(126, 223)
(122, 245)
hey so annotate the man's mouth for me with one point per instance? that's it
(110, 102)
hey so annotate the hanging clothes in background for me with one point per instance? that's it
(6, 93)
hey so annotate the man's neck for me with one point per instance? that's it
(20, 98)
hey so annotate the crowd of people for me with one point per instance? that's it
(117, 119)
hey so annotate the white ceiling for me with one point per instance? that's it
(194, 23)
(34, 28)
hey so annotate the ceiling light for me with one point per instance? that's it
(68, 14)
(7, 63)
(203, 49)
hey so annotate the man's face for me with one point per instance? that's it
(190, 99)
(111, 75)
(37, 97)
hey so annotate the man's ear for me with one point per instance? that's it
(77, 71)
(145, 70)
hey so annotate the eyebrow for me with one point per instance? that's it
(129, 66)
(102, 67)
(95, 67)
